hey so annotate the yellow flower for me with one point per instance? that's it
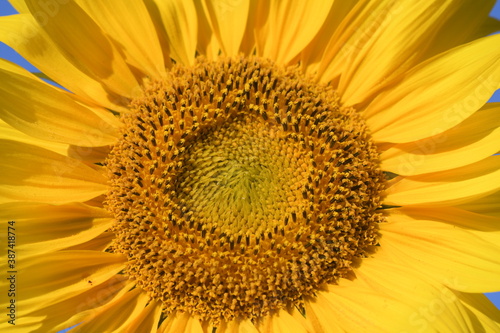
(250, 166)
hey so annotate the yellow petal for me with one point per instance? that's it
(450, 187)
(42, 52)
(31, 173)
(306, 321)
(412, 301)
(102, 242)
(8, 132)
(475, 138)
(84, 43)
(90, 303)
(130, 26)
(124, 314)
(105, 114)
(363, 20)
(385, 50)
(45, 228)
(470, 21)
(182, 323)
(285, 28)
(442, 91)
(485, 315)
(313, 53)
(279, 322)
(319, 315)
(460, 258)
(228, 21)
(487, 205)
(208, 45)
(161, 34)
(488, 227)
(234, 326)
(89, 155)
(45, 112)
(147, 318)
(354, 307)
(58, 276)
(181, 25)
(64, 313)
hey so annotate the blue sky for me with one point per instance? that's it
(7, 53)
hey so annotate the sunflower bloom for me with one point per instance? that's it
(251, 166)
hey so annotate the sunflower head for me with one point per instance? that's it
(251, 166)
(240, 186)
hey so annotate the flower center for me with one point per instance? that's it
(243, 176)
(240, 187)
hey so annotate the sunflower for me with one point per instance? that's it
(251, 166)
